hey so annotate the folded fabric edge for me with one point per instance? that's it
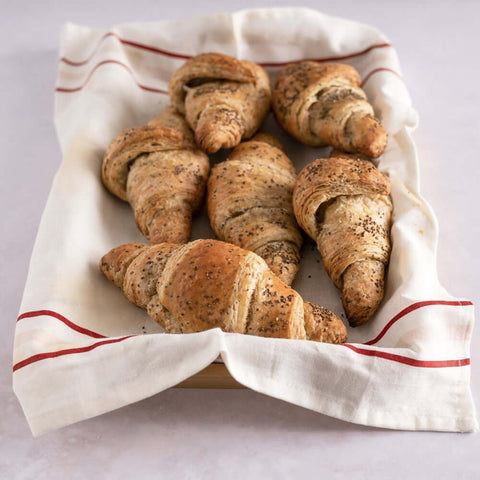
(57, 417)
(378, 418)
(364, 348)
(143, 370)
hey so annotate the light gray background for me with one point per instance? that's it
(239, 434)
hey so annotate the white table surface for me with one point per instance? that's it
(223, 433)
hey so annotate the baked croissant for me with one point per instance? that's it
(249, 198)
(223, 99)
(207, 284)
(322, 104)
(160, 172)
(342, 202)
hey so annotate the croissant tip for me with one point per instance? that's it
(371, 139)
(358, 313)
(210, 146)
(357, 322)
(322, 325)
(115, 263)
(362, 290)
(214, 140)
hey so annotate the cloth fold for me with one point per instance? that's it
(81, 349)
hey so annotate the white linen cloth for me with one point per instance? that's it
(81, 349)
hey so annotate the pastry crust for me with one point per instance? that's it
(322, 104)
(224, 99)
(249, 198)
(160, 172)
(343, 203)
(211, 284)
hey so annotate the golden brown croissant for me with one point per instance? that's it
(323, 104)
(342, 202)
(249, 198)
(207, 284)
(223, 99)
(160, 172)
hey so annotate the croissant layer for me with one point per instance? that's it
(211, 284)
(323, 104)
(160, 172)
(224, 99)
(343, 203)
(249, 199)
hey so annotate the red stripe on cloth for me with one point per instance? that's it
(165, 92)
(411, 308)
(413, 362)
(182, 56)
(363, 351)
(69, 351)
(377, 70)
(68, 323)
(327, 59)
(125, 42)
(106, 62)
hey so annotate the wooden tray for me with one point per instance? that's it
(215, 375)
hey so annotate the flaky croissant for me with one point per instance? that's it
(342, 202)
(249, 198)
(322, 104)
(223, 99)
(160, 172)
(207, 284)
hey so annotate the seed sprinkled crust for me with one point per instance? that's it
(162, 174)
(224, 99)
(211, 284)
(323, 104)
(343, 203)
(250, 203)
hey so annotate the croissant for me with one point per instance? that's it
(223, 99)
(208, 283)
(342, 203)
(160, 172)
(249, 199)
(322, 104)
